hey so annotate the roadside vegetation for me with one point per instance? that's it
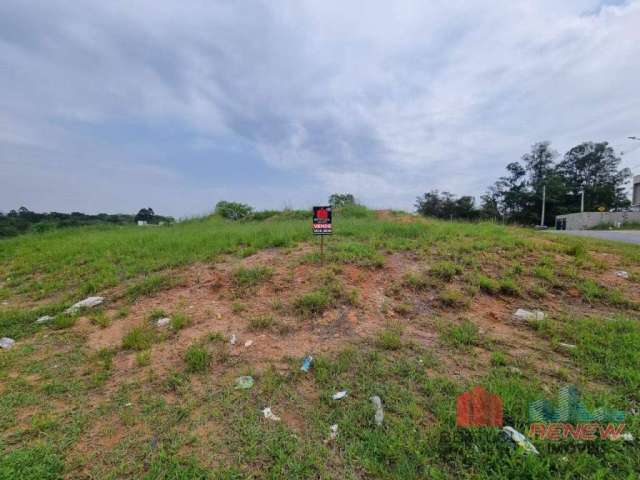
(413, 310)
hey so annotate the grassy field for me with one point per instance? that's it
(412, 310)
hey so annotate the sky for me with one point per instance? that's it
(111, 106)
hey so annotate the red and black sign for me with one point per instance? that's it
(322, 221)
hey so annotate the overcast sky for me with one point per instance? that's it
(110, 106)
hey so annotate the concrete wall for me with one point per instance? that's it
(636, 190)
(583, 221)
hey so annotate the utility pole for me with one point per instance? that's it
(582, 201)
(544, 199)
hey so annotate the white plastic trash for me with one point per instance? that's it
(339, 395)
(520, 440)
(44, 319)
(233, 339)
(163, 322)
(622, 274)
(268, 414)
(377, 404)
(86, 303)
(6, 343)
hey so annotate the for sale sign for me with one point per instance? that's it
(322, 220)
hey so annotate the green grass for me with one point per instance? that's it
(463, 335)
(390, 338)
(197, 358)
(445, 270)
(244, 278)
(312, 303)
(139, 338)
(179, 321)
(262, 322)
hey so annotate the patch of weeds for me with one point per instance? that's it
(390, 338)
(101, 319)
(498, 359)
(156, 314)
(508, 286)
(215, 337)
(545, 272)
(238, 307)
(417, 281)
(38, 462)
(139, 338)
(453, 299)
(64, 320)
(353, 297)
(197, 358)
(576, 250)
(151, 284)
(143, 358)
(463, 335)
(516, 269)
(277, 305)
(179, 321)
(538, 291)
(592, 290)
(122, 312)
(262, 322)
(405, 309)
(445, 270)
(244, 278)
(312, 303)
(104, 357)
(488, 285)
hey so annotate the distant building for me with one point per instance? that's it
(142, 223)
(636, 191)
(588, 220)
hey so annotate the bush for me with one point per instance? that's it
(233, 210)
(139, 338)
(197, 359)
(312, 303)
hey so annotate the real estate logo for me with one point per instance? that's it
(571, 419)
(478, 408)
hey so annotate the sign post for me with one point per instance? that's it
(322, 225)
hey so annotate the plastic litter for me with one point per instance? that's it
(339, 395)
(306, 363)
(377, 403)
(86, 303)
(519, 440)
(568, 346)
(333, 433)
(163, 322)
(233, 339)
(622, 274)
(6, 343)
(270, 415)
(528, 315)
(248, 343)
(44, 319)
(244, 382)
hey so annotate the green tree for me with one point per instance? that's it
(338, 200)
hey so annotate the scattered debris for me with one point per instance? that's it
(333, 433)
(270, 415)
(6, 343)
(163, 322)
(248, 343)
(515, 370)
(627, 437)
(339, 395)
(377, 403)
(233, 339)
(518, 439)
(244, 382)
(86, 303)
(528, 315)
(306, 363)
(622, 274)
(568, 346)
(44, 319)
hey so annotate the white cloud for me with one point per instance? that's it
(384, 99)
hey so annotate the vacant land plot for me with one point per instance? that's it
(411, 310)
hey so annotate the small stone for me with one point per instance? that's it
(622, 274)
(44, 319)
(233, 339)
(248, 343)
(528, 315)
(6, 343)
(268, 414)
(163, 322)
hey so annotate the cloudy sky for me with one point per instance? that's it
(115, 105)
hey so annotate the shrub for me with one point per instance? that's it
(445, 270)
(197, 358)
(312, 303)
(233, 210)
(139, 338)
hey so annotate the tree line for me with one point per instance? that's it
(591, 167)
(23, 220)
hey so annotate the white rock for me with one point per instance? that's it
(268, 414)
(527, 315)
(86, 303)
(6, 343)
(44, 319)
(248, 343)
(622, 274)
(339, 395)
(333, 431)
(233, 339)
(163, 322)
